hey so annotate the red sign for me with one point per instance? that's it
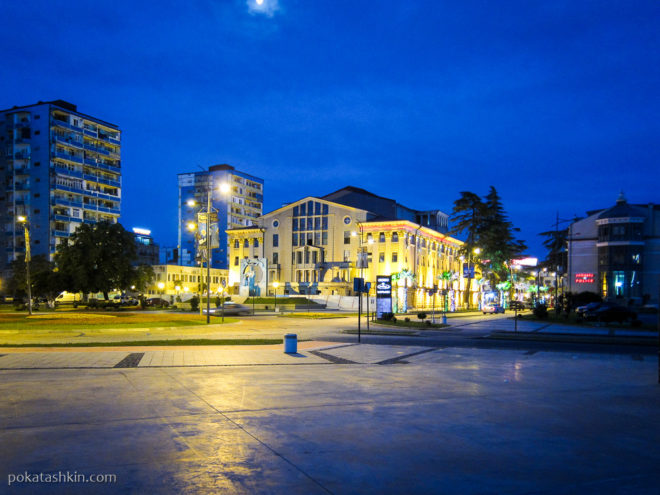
(584, 278)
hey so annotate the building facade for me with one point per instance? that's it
(185, 281)
(312, 246)
(238, 207)
(148, 252)
(59, 168)
(615, 252)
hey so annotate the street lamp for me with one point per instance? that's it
(28, 258)
(223, 188)
(275, 286)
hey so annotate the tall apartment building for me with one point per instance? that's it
(239, 207)
(59, 168)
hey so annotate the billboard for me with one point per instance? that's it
(253, 277)
(383, 295)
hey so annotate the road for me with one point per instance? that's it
(472, 331)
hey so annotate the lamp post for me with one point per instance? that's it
(275, 286)
(224, 188)
(28, 258)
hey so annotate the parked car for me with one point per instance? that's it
(492, 308)
(157, 301)
(231, 308)
(125, 300)
(581, 311)
(517, 305)
(611, 313)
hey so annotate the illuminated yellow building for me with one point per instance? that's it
(184, 281)
(312, 246)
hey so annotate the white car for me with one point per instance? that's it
(231, 308)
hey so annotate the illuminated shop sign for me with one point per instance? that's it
(584, 278)
(383, 295)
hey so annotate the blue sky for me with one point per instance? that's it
(553, 102)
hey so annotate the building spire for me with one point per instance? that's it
(621, 199)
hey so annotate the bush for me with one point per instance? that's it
(421, 315)
(406, 319)
(387, 316)
(143, 302)
(218, 302)
(541, 311)
(194, 303)
(428, 323)
(394, 318)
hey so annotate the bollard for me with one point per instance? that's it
(291, 343)
(444, 319)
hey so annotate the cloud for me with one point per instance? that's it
(265, 7)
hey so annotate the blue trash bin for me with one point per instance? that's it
(290, 343)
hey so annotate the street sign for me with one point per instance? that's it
(358, 284)
(367, 287)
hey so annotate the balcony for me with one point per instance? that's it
(90, 133)
(68, 172)
(66, 202)
(60, 233)
(68, 188)
(100, 180)
(96, 149)
(68, 140)
(68, 156)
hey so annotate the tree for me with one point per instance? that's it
(45, 281)
(98, 258)
(467, 216)
(486, 226)
(497, 239)
(555, 242)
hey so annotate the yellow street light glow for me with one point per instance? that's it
(21, 218)
(191, 226)
(353, 234)
(161, 285)
(370, 241)
(191, 202)
(224, 187)
(276, 284)
(477, 250)
(186, 289)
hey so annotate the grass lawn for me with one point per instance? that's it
(574, 320)
(150, 343)
(71, 327)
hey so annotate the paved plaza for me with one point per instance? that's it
(334, 418)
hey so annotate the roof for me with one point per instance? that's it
(69, 107)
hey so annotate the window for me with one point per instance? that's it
(37, 164)
(395, 258)
(381, 237)
(236, 261)
(306, 256)
(276, 259)
(276, 240)
(324, 223)
(276, 223)
(317, 223)
(317, 238)
(295, 224)
(324, 239)
(317, 208)
(315, 255)
(299, 257)
(236, 244)
(302, 209)
(246, 243)
(295, 211)
(325, 209)
(347, 220)
(302, 224)
(395, 237)
(256, 242)
(294, 240)
(370, 238)
(347, 237)
(381, 257)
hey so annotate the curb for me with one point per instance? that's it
(574, 339)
